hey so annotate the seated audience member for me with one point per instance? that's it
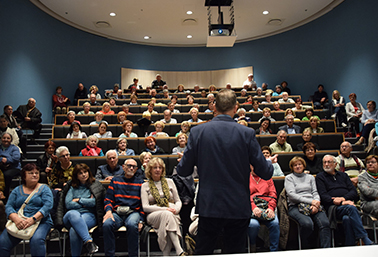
(368, 119)
(98, 119)
(354, 112)
(349, 163)
(298, 105)
(185, 127)
(194, 113)
(86, 109)
(264, 86)
(75, 131)
(285, 87)
(150, 108)
(250, 82)
(280, 145)
(135, 84)
(212, 89)
(196, 89)
(10, 160)
(320, 98)
(264, 128)
(263, 189)
(241, 113)
(338, 108)
(174, 99)
(290, 127)
(102, 133)
(81, 207)
(28, 116)
(276, 106)
(93, 100)
(38, 209)
(62, 170)
(153, 94)
(243, 122)
(91, 149)
(123, 191)
(243, 93)
(302, 194)
(258, 92)
(121, 117)
(248, 100)
(190, 99)
(3, 217)
(309, 113)
(338, 194)
(127, 127)
(12, 122)
(126, 109)
(119, 95)
(210, 106)
(203, 94)
(70, 118)
(47, 159)
(368, 186)
(144, 158)
(111, 168)
(80, 93)
(182, 140)
(106, 109)
(306, 136)
(266, 114)
(285, 98)
(314, 125)
(150, 143)
(292, 112)
(4, 127)
(159, 126)
(133, 100)
(162, 204)
(228, 86)
(211, 97)
(166, 94)
(168, 117)
(171, 107)
(60, 102)
(121, 147)
(180, 89)
(277, 168)
(268, 99)
(94, 90)
(313, 163)
(278, 91)
(112, 102)
(255, 107)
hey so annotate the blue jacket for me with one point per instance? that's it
(223, 150)
(286, 128)
(12, 153)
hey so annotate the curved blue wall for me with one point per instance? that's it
(39, 53)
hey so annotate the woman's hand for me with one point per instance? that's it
(171, 210)
(315, 203)
(17, 220)
(270, 213)
(4, 160)
(314, 209)
(48, 169)
(257, 212)
(54, 158)
(28, 222)
(76, 200)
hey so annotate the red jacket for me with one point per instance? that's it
(86, 151)
(263, 187)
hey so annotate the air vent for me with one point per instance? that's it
(189, 22)
(102, 24)
(275, 22)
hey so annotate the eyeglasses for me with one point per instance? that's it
(371, 162)
(131, 166)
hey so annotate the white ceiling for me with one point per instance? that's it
(162, 20)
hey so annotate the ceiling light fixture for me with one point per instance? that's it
(189, 36)
(112, 14)
(265, 12)
(189, 12)
(146, 37)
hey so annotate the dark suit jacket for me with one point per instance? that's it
(286, 127)
(222, 150)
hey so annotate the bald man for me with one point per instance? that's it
(28, 116)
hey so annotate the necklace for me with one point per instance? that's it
(257, 182)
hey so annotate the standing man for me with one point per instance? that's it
(30, 117)
(123, 191)
(158, 83)
(223, 198)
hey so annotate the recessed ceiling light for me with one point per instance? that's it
(189, 12)
(189, 36)
(146, 37)
(265, 12)
(112, 14)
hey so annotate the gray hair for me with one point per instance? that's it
(60, 149)
(111, 151)
(225, 100)
(8, 134)
(281, 132)
(289, 116)
(328, 155)
(90, 137)
(68, 113)
(241, 109)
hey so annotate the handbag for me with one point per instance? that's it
(23, 233)
(124, 210)
(263, 205)
(305, 208)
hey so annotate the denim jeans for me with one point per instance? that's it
(274, 232)
(352, 223)
(131, 223)
(307, 226)
(79, 224)
(37, 242)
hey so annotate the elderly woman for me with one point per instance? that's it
(278, 91)
(314, 164)
(91, 149)
(127, 127)
(10, 160)
(276, 106)
(190, 99)
(212, 89)
(144, 158)
(368, 186)
(309, 112)
(126, 109)
(369, 118)
(162, 204)
(338, 108)
(241, 113)
(37, 209)
(75, 131)
(86, 109)
(62, 171)
(255, 107)
(106, 110)
(268, 99)
(314, 125)
(266, 190)
(354, 112)
(102, 131)
(266, 114)
(48, 159)
(150, 143)
(258, 92)
(112, 101)
(60, 101)
(194, 113)
(82, 204)
(304, 203)
(185, 127)
(94, 90)
(182, 140)
(121, 117)
(180, 89)
(121, 147)
(264, 127)
(98, 119)
(306, 137)
(70, 118)
(159, 126)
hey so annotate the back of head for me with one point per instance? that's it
(225, 100)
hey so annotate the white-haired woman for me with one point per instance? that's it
(91, 149)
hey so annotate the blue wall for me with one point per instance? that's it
(39, 53)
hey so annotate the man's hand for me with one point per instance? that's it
(109, 178)
(180, 156)
(348, 202)
(338, 200)
(273, 158)
(108, 214)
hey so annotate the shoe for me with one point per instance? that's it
(183, 254)
(91, 247)
(359, 142)
(344, 125)
(333, 116)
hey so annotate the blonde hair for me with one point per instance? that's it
(181, 134)
(143, 155)
(296, 159)
(292, 111)
(86, 104)
(159, 123)
(154, 162)
(337, 93)
(243, 122)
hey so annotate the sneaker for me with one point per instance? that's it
(344, 125)
(91, 247)
(333, 116)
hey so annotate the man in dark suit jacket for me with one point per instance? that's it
(30, 117)
(290, 127)
(223, 150)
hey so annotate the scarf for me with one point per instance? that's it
(162, 202)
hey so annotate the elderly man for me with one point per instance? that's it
(119, 95)
(28, 116)
(290, 127)
(280, 145)
(171, 107)
(153, 94)
(250, 82)
(350, 164)
(123, 208)
(210, 97)
(111, 168)
(168, 117)
(194, 113)
(196, 89)
(80, 93)
(93, 100)
(158, 83)
(264, 86)
(338, 194)
(285, 98)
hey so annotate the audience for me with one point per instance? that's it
(159, 126)
(348, 163)
(194, 113)
(168, 117)
(277, 168)
(91, 149)
(368, 119)
(290, 127)
(264, 127)
(320, 98)
(266, 114)
(121, 147)
(306, 137)
(127, 127)
(338, 108)
(60, 102)
(354, 112)
(111, 168)
(121, 117)
(314, 125)
(185, 127)
(150, 143)
(75, 131)
(280, 145)
(106, 110)
(80, 93)
(313, 163)
(368, 186)
(182, 140)
(86, 109)
(98, 119)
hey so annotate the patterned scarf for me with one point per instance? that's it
(162, 202)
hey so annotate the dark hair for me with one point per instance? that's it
(265, 147)
(298, 100)
(284, 82)
(102, 122)
(27, 167)
(225, 100)
(50, 143)
(71, 127)
(6, 106)
(265, 119)
(311, 110)
(373, 103)
(3, 116)
(353, 94)
(79, 167)
(307, 146)
(59, 87)
(320, 85)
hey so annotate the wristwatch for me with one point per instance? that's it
(35, 220)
